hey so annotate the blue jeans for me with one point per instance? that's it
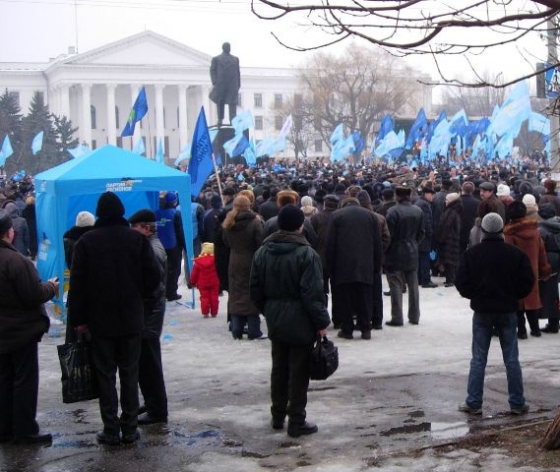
(253, 326)
(506, 327)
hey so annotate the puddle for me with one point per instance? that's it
(442, 431)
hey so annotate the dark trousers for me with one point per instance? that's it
(424, 268)
(377, 319)
(450, 271)
(221, 108)
(150, 378)
(174, 257)
(110, 354)
(19, 387)
(289, 381)
(353, 300)
(532, 318)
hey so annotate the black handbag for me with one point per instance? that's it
(79, 381)
(324, 359)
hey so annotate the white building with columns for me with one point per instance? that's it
(96, 91)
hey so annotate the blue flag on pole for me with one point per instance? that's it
(6, 150)
(139, 110)
(159, 152)
(184, 154)
(200, 165)
(337, 134)
(37, 143)
(139, 147)
(419, 128)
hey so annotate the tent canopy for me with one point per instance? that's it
(63, 191)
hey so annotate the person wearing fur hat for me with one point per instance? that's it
(494, 276)
(286, 286)
(523, 233)
(549, 229)
(448, 237)
(113, 271)
(406, 225)
(550, 196)
(150, 368)
(23, 322)
(205, 278)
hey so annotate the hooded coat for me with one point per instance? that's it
(287, 286)
(523, 233)
(448, 234)
(21, 238)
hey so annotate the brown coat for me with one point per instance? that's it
(243, 239)
(524, 234)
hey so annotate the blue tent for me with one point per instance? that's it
(63, 191)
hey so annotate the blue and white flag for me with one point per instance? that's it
(287, 126)
(200, 164)
(80, 150)
(6, 150)
(185, 154)
(159, 152)
(243, 121)
(139, 110)
(37, 143)
(337, 134)
(139, 146)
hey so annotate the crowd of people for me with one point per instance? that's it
(305, 246)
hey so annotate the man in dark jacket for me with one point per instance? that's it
(406, 225)
(494, 276)
(270, 208)
(424, 202)
(150, 369)
(113, 271)
(468, 215)
(354, 255)
(286, 286)
(23, 321)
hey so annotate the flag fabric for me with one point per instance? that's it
(459, 123)
(184, 154)
(243, 121)
(6, 150)
(80, 150)
(287, 126)
(387, 125)
(250, 153)
(358, 142)
(343, 148)
(159, 152)
(139, 110)
(37, 143)
(139, 147)
(419, 127)
(200, 164)
(337, 134)
(236, 145)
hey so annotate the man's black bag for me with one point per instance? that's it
(79, 381)
(324, 359)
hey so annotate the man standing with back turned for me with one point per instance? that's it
(494, 276)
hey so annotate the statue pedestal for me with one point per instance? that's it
(225, 133)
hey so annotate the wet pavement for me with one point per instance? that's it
(397, 393)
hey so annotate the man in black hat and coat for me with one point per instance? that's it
(113, 271)
(424, 202)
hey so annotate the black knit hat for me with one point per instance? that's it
(6, 221)
(516, 210)
(142, 216)
(109, 206)
(290, 218)
(547, 211)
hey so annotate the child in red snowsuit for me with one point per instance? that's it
(205, 277)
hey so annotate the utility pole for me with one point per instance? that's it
(552, 32)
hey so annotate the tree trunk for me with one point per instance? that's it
(551, 438)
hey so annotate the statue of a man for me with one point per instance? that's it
(226, 79)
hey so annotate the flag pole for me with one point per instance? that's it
(218, 178)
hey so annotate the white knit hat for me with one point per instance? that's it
(529, 200)
(492, 223)
(503, 190)
(451, 197)
(85, 218)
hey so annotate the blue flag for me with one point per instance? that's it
(6, 150)
(139, 110)
(419, 127)
(37, 143)
(387, 125)
(159, 152)
(337, 134)
(236, 145)
(243, 121)
(200, 165)
(358, 142)
(185, 154)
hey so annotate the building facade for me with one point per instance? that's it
(97, 89)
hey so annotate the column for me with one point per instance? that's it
(65, 100)
(85, 128)
(111, 120)
(160, 129)
(53, 100)
(183, 117)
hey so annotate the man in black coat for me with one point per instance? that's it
(424, 202)
(468, 215)
(406, 225)
(494, 276)
(23, 321)
(113, 271)
(226, 79)
(354, 253)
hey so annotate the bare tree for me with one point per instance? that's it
(418, 26)
(357, 89)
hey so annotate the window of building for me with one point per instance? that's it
(41, 96)
(258, 100)
(278, 122)
(258, 122)
(117, 118)
(164, 119)
(93, 144)
(318, 145)
(119, 141)
(277, 101)
(93, 113)
(15, 96)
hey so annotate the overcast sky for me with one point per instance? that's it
(36, 30)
